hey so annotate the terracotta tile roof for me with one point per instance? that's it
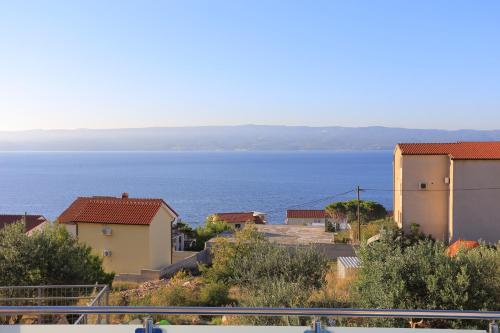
(113, 210)
(32, 221)
(453, 249)
(239, 217)
(487, 150)
(306, 214)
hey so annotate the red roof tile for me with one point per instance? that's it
(453, 249)
(239, 217)
(488, 150)
(32, 221)
(113, 210)
(306, 214)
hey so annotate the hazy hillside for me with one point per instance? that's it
(248, 137)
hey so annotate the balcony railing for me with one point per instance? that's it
(491, 316)
(55, 295)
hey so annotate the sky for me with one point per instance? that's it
(111, 64)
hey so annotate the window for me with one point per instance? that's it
(237, 226)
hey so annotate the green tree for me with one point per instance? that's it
(49, 256)
(204, 233)
(369, 210)
(266, 274)
(419, 275)
(251, 258)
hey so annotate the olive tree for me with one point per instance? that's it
(49, 256)
(420, 275)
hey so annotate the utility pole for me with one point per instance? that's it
(359, 215)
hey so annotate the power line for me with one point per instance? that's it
(433, 190)
(322, 199)
(311, 202)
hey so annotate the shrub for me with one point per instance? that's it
(214, 294)
(252, 259)
(49, 256)
(421, 276)
(175, 295)
(276, 293)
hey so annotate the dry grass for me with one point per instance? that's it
(336, 292)
(122, 285)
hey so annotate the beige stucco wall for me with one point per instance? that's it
(475, 212)
(428, 208)
(304, 221)
(397, 173)
(129, 245)
(160, 235)
(40, 227)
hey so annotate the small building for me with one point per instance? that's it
(347, 266)
(32, 223)
(452, 190)
(238, 220)
(130, 234)
(311, 217)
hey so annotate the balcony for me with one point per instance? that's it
(84, 308)
(317, 315)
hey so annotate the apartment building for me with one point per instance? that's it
(452, 190)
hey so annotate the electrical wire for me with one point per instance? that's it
(309, 203)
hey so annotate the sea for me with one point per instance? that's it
(195, 184)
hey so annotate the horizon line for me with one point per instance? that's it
(240, 125)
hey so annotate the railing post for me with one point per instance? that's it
(99, 316)
(39, 303)
(106, 303)
(493, 327)
(148, 325)
(317, 326)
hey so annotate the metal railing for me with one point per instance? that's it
(491, 316)
(221, 311)
(101, 299)
(54, 295)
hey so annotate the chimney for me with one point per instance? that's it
(124, 195)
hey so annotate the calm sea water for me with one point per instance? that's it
(195, 184)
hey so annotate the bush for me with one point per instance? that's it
(175, 295)
(252, 258)
(49, 256)
(421, 276)
(276, 293)
(214, 294)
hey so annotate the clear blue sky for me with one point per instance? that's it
(102, 64)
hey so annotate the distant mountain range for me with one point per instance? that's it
(231, 138)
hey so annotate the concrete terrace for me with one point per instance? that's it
(295, 235)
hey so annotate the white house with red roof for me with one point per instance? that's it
(132, 235)
(312, 217)
(452, 190)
